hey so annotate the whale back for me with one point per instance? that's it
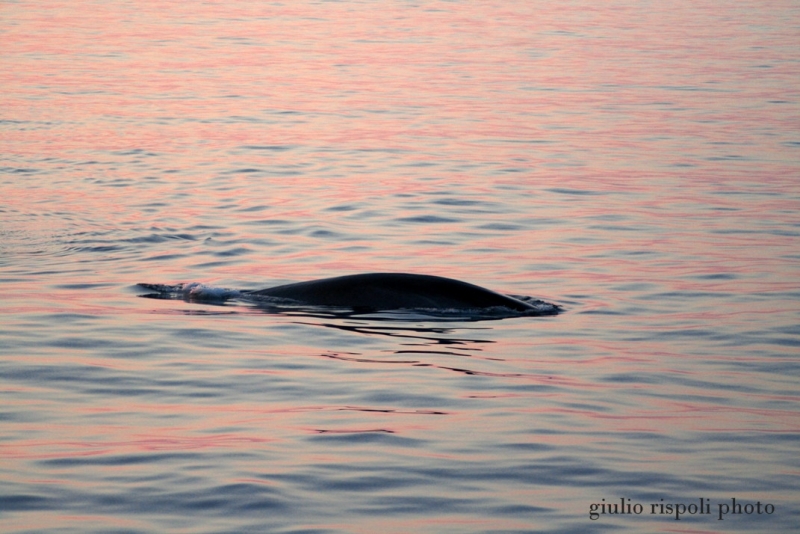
(392, 291)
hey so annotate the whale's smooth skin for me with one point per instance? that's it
(395, 291)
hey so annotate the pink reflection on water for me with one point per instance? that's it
(116, 62)
(35, 449)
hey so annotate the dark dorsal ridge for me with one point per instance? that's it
(394, 291)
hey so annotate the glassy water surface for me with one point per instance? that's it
(637, 163)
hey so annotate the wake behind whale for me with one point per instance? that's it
(372, 292)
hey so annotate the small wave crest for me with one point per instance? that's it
(192, 291)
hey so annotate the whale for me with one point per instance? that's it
(369, 292)
(395, 291)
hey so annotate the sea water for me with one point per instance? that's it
(637, 163)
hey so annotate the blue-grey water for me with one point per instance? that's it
(637, 163)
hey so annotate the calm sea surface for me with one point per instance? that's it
(636, 162)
